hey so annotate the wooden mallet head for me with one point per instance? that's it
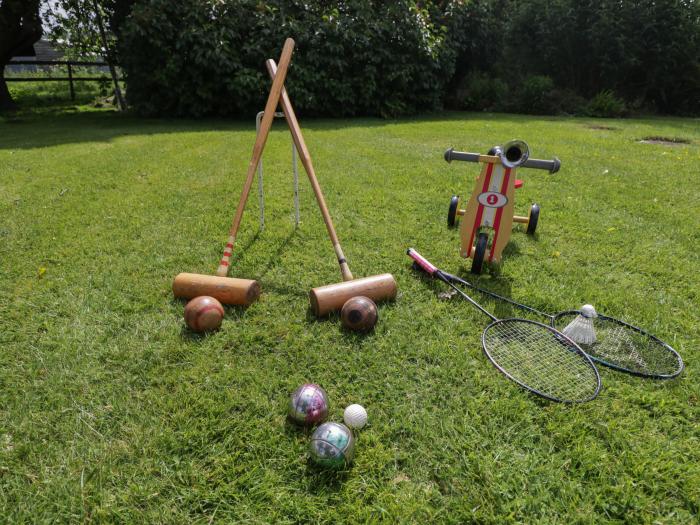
(228, 290)
(332, 297)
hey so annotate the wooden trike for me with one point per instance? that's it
(489, 215)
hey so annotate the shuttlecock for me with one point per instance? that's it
(581, 329)
(355, 416)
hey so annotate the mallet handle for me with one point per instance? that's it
(260, 140)
(550, 165)
(298, 138)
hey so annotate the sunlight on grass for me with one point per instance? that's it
(113, 411)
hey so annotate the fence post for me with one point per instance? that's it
(70, 81)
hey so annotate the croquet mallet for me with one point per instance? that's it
(231, 290)
(325, 299)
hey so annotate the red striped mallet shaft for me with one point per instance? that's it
(260, 140)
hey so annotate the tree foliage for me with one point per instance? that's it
(197, 57)
(20, 27)
(72, 25)
(357, 57)
(370, 57)
(647, 51)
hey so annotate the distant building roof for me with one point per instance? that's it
(42, 50)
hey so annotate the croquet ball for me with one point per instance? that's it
(204, 313)
(332, 445)
(355, 416)
(308, 404)
(359, 314)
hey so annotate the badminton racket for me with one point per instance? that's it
(536, 356)
(617, 344)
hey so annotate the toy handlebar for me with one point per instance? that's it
(550, 165)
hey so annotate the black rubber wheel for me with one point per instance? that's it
(482, 243)
(452, 212)
(532, 220)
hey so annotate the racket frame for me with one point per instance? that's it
(555, 333)
(629, 326)
(432, 270)
(554, 317)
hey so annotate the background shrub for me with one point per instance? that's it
(359, 57)
(535, 95)
(369, 57)
(643, 50)
(606, 104)
(482, 92)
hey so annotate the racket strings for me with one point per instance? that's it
(628, 348)
(541, 359)
(620, 345)
(632, 350)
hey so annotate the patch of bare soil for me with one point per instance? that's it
(665, 141)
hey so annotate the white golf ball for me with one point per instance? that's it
(355, 416)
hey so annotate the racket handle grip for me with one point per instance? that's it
(422, 262)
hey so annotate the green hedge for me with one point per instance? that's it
(370, 57)
(195, 57)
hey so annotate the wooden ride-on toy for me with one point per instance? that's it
(489, 215)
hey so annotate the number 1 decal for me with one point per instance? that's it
(492, 199)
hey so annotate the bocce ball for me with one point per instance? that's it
(332, 445)
(308, 404)
(204, 313)
(359, 314)
(355, 416)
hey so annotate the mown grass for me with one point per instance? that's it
(53, 96)
(112, 411)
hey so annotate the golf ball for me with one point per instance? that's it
(355, 416)
(308, 404)
(332, 445)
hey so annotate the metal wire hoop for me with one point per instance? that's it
(560, 355)
(671, 355)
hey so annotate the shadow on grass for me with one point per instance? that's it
(322, 480)
(71, 124)
(232, 313)
(491, 282)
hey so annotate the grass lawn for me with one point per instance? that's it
(111, 411)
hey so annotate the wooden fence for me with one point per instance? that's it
(70, 64)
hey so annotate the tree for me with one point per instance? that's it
(81, 25)
(20, 27)
(75, 23)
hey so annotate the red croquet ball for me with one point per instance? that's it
(204, 313)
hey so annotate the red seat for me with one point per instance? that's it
(518, 183)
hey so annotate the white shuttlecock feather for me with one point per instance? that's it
(581, 329)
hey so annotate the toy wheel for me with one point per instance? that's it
(479, 252)
(452, 212)
(532, 219)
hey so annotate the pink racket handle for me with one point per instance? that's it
(422, 261)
